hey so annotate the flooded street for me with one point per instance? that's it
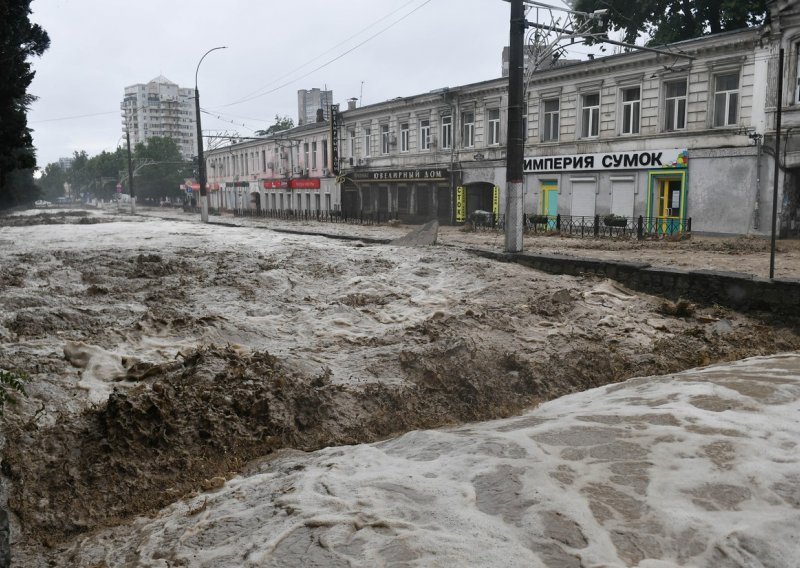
(178, 370)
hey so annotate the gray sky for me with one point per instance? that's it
(275, 47)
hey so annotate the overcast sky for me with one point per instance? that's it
(275, 47)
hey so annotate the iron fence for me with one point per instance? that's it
(596, 226)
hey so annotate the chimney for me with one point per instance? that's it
(351, 103)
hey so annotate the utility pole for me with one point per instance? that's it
(130, 173)
(514, 160)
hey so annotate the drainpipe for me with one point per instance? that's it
(757, 138)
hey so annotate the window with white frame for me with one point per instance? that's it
(525, 121)
(468, 129)
(550, 120)
(385, 140)
(494, 126)
(425, 134)
(631, 110)
(313, 155)
(352, 136)
(726, 99)
(404, 137)
(675, 105)
(306, 156)
(590, 115)
(447, 131)
(797, 78)
(367, 142)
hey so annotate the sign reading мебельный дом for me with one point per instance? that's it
(650, 159)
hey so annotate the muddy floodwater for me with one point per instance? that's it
(173, 365)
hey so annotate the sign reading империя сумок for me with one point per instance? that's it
(649, 159)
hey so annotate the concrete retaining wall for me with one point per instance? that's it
(734, 290)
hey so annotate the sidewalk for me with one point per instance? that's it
(746, 255)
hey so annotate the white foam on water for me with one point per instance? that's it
(657, 472)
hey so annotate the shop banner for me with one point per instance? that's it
(461, 204)
(496, 202)
(640, 159)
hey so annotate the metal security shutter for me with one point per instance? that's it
(622, 197)
(583, 198)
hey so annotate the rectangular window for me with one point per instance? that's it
(550, 124)
(324, 153)
(404, 137)
(675, 105)
(313, 155)
(306, 156)
(367, 142)
(447, 132)
(385, 139)
(352, 135)
(726, 99)
(468, 129)
(590, 115)
(425, 134)
(797, 56)
(494, 126)
(631, 110)
(525, 121)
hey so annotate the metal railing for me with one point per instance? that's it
(596, 226)
(360, 218)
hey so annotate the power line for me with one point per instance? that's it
(310, 61)
(373, 36)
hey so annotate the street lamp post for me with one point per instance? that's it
(201, 165)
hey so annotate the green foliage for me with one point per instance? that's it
(158, 166)
(11, 383)
(667, 21)
(167, 171)
(281, 123)
(19, 40)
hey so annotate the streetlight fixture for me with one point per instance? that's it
(201, 166)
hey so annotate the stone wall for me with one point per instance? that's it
(734, 290)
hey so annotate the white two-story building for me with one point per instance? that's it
(688, 135)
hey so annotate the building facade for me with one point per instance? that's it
(161, 108)
(689, 135)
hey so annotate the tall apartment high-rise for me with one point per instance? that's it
(308, 102)
(161, 108)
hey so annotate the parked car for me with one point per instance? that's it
(39, 203)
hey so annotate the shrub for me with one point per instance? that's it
(11, 382)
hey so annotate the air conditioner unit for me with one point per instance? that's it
(325, 172)
(433, 143)
(281, 171)
(362, 161)
(283, 156)
(271, 165)
(393, 141)
(305, 173)
(296, 170)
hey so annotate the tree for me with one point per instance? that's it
(52, 181)
(668, 21)
(281, 123)
(19, 40)
(165, 171)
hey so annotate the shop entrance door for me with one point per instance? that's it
(549, 198)
(668, 211)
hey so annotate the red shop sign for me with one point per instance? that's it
(311, 183)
